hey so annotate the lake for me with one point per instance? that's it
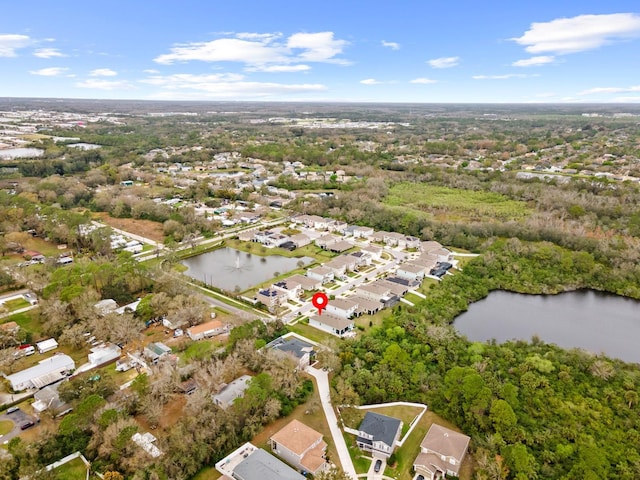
(11, 153)
(228, 268)
(594, 321)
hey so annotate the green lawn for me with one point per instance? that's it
(16, 304)
(207, 473)
(73, 470)
(5, 426)
(312, 333)
(456, 204)
(28, 321)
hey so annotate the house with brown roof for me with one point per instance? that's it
(441, 453)
(292, 288)
(300, 446)
(342, 307)
(411, 271)
(374, 291)
(323, 274)
(374, 250)
(306, 283)
(300, 240)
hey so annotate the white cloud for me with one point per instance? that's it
(577, 34)
(301, 67)
(9, 43)
(99, 84)
(48, 53)
(370, 81)
(151, 71)
(423, 81)
(534, 61)
(258, 50)
(103, 72)
(391, 45)
(502, 77)
(222, 85)
(597, 90)
(444, 62)
(626, 99)
(49, 72)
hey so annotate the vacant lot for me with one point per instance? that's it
(455, 204)
(146, 228)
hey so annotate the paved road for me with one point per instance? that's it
(230, 308)
(322, 381)
(18, 418)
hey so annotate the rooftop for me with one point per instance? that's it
(445, 441)
(296, 437)
(292, 345)
(205, 327)
(260, 465)
(380, 427)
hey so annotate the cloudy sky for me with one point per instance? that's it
(347, 50)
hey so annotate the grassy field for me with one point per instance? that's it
(146, 228)
(207, 473)
(311, 333)
(28, 321)
(5, 426)
(73, 470)
(16, 304)
(455, 204)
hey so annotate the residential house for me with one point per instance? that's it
(325, 241)
(394, 239)
(104, 354)
(363, 232)
(443, 255)
(323, 274)
(228, 393)
(337, 266)
(306, 283)
(441, 453)
(146, 442)
(205, 330)
(259, 465)
(300, 240)
(342, 307)
(378, 237)
(46, 372)
(411, 271)
(412, 242)
(349, 261)
(292, 288)
(332, 324)
(374, 291)
(323, 223)
(362, 259)
(366, 305)
(430, 246)
(339, 246)
(426, 260)
(48, 398)
(293, 346)
(105, 306)
(155, 351)
(374, 250)
(300, 446)
(378, 434)
(338, 226)
(47, 345)
(272, 298)
(270, 239)
(188, 386)
(397, 289)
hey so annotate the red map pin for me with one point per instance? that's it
(320, 301)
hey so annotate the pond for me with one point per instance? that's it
(594, 321)
(228, 268)
(11, 153)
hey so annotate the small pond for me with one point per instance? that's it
(228, 268)
(594, 321)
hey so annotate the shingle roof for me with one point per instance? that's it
(446, 442)
(380, 427)
(296, 437)
(262, 466)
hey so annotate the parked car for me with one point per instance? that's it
(420, 477)
(26, 425)
(377, 466)
(12, 409)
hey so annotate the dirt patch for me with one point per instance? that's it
(146, 228)
(170, 414)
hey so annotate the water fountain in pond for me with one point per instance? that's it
(238, 266)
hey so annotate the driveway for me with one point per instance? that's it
(371, 474)
(322, 381)
(18, 418)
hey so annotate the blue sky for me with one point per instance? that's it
(369, 51)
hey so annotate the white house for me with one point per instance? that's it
(228, 393)
(411, 271)
(378, 434)
(46, 372)
(374, 250)
(342, 307)
(332, 324)
(205, 330)
(306, 283)
(47, 345)
(271, 298)
(323, 274)
(363, 232)
(104, 354)
(292, 288)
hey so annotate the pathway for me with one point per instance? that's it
(322, 382)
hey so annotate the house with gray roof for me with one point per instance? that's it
(259, 465)
(46, 372)
(300, 350)
(378, 434)
(230, 392)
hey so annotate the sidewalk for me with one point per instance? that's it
(322, 382)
